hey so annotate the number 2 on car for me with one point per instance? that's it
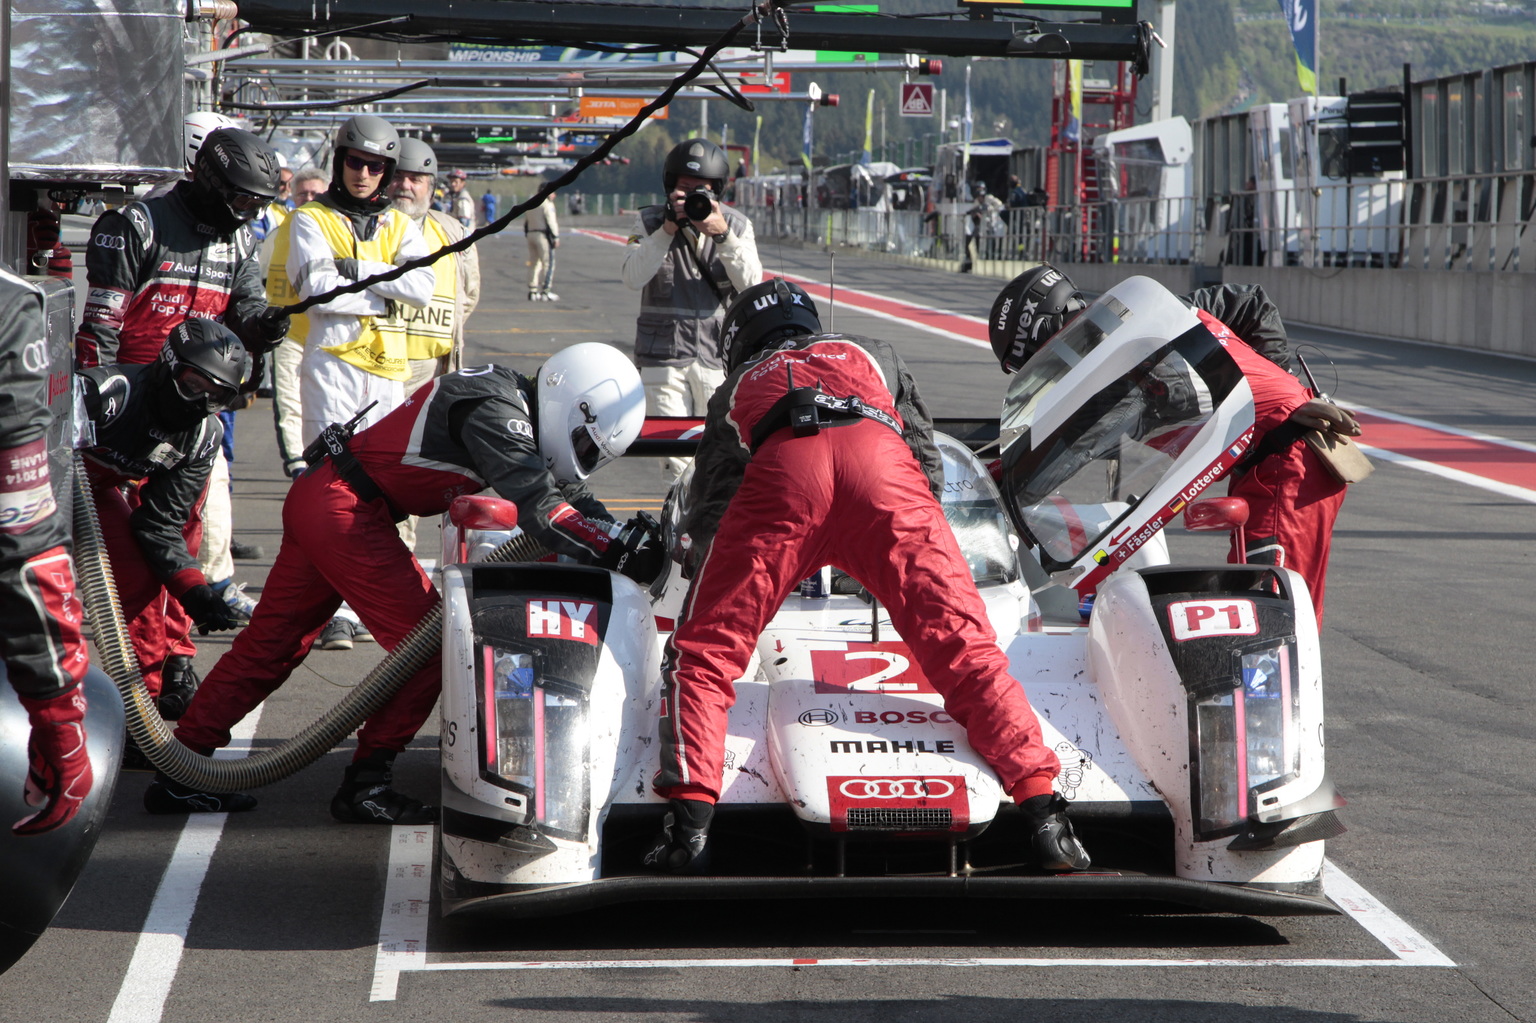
(1202, 619)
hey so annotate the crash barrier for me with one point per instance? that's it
(153, 736)
(1477, 222)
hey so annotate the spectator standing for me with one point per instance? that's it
(687, 273)
(461, 205)
(309, 184)
(488, 205)
(542, 228)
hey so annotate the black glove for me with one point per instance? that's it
(637, 551)
(272, 324)
(348, 268)
(209, 612)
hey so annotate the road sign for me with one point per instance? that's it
(916, 99)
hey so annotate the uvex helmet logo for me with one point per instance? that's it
(1002, 314)
(764, 301)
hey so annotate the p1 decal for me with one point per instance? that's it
(868, 668)
(563, 619)
(1203, 619)
(860, 802)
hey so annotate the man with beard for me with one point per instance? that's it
(434, 336)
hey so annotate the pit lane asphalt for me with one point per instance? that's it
(1430, 725)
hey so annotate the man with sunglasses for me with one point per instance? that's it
(356, 358)
(354, 348)
(157, 434)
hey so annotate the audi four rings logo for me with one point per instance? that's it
(897, 788)
(34, 356)
(109, 241)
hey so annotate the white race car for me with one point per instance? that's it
(1185, 702)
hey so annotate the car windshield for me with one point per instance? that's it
(974, 509)
(1083, 450)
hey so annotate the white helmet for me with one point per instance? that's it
(196, 126)
(591, 407)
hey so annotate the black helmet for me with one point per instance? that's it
(376, 137)
(763, 314)
(201, 367)
(233, 179)
(697, 158)
(1030, 308)
(416, 157)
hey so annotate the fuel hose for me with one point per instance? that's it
(153, 736)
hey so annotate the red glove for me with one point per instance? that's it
(60, 776)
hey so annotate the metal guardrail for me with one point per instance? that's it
(1483, 222)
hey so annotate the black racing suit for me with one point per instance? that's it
(461, 433)
(154, 263)
(146, 481)
(41, 615)
(1250, 313)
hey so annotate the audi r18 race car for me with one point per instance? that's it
(1185, 701)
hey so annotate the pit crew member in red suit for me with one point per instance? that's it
(156, 435)
(1292, 498)
(45, 657)
(534, 441)
(187, 254)
(771, 503)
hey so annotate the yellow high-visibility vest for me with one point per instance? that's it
(379, 346)
(429, 330)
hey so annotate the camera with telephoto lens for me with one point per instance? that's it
(699, 204)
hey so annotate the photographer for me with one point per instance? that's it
(688, 259)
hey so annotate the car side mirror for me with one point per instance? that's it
(482, 511)
(1213, 514)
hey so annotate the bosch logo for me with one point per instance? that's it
(819, 716)
(109, 241)
(897, 788)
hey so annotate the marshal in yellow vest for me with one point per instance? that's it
(380, 344)
(429, 330)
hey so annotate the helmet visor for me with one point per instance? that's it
(584, 443)
(198, 388)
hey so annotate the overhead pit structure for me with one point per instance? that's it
(976, 29)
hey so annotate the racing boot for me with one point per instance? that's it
(178, 681)
(682, 847)
(167, 796)
(1056, 845)
(365, 796)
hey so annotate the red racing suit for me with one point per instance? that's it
(153, 264)
(459, 434)
(40, 640)
(859, 495)
(1292, 498)
(148, 484)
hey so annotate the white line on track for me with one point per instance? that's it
(403, 935)
(157, 956)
